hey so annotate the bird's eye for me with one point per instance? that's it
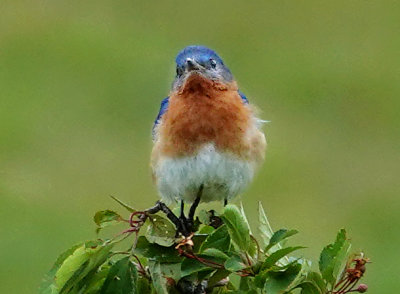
(179, 71)
(213, 63)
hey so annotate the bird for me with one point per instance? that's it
(207, 138)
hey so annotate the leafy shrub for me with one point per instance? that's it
(216, 259)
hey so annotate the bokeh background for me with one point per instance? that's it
(81, 83)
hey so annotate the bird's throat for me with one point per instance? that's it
(197, 83)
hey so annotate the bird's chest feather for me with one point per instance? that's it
(204, 113)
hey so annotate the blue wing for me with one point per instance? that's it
(244, 98)
(163, 109)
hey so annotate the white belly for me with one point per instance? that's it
(222, 175)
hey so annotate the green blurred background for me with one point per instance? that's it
(81, 83)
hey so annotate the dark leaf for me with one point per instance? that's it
(278, 282)
(156, 252)
(309, 288)
(160, 282)
(121, 278)
(246, 284)
(198, 240)
(218, 239)
(190, 266)
(143, 286)
(94, 284)
(217, 276)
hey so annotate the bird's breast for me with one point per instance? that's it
(204, 113)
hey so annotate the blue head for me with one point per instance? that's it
(200, 60)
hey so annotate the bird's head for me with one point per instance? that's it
(201, 61)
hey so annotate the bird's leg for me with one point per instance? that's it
(183, 219)
(190, 220)
(180, 227)
(225, 202)
(182, 210)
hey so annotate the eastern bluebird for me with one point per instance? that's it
(207, 139)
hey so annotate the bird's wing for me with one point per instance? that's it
(244, 98)
(163, 109)
(259, 122)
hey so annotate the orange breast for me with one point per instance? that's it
(201, 113)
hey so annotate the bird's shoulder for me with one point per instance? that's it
(163, 109)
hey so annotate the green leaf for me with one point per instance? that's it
(206, 229)
(80, 267)
(317, 280)
(156, 252)
(279, 282)
(106, 218)
(277, 255)
(143, 286)
(204, 275)
(93, 286)
(126, 206)
(161, 282)
(217, 276)
(218, 239)
(309, 288)
(244, 216)
(246, 284)
(204, 216)
(190, 266)
(253, 248)
(309, 282)
(333, 257)
(235, 263)
(160, 231)
(121, 278)
(48, 285)
(198, 240)
(264, 227)
(215, 253)
(238, 228)
(278, 236)
(71, 264)
(171, 270)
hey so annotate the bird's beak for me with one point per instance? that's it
(192, 64)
